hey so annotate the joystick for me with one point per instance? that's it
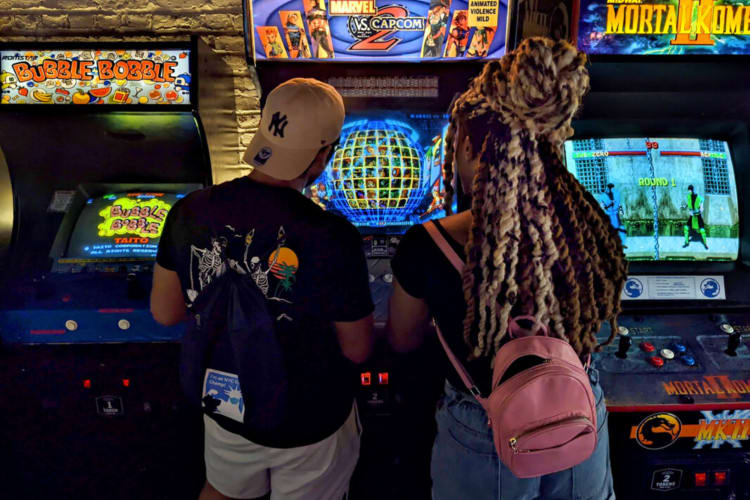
(135, 290)
(735, 338)
(624, 344)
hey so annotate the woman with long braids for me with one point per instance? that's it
(534, 243)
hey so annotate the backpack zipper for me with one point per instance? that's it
(514, 440)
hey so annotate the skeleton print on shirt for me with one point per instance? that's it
(211, 264)
(277, 267)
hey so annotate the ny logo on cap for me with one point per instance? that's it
(278, 124)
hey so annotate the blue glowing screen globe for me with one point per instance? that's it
(385, 173)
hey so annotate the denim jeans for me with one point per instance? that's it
(465, 464)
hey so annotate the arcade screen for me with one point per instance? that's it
(386, 173)
(670, 199)
(120, 226)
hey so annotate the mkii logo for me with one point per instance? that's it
(370, 31)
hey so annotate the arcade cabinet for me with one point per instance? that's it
(662, 143)
(398, 68)
(97, 143)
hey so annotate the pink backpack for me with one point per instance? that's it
(541, 409)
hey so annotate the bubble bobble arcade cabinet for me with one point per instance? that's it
(663, 146)
(97, 143)
(398, 66)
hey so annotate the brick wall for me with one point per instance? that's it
(219, 24)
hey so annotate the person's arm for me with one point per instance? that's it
(167, 302)
(356, 338)
(347, 300)
(408, 320)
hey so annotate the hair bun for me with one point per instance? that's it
(540, 85)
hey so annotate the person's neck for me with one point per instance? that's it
(458, 225)
(261, 178)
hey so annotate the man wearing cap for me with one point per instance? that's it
(303, 259)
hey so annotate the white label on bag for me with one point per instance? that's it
(224, 394)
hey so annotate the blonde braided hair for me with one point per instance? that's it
(539, 243)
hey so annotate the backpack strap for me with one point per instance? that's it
(454, 259)
(444, 246)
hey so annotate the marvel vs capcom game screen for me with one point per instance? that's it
(120, 226)
(669, 199)
(386, 173)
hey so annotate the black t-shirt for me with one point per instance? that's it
(308, 261)
(425, 273)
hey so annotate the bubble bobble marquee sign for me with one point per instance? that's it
(95, 76)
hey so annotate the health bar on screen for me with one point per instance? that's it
(626, 153)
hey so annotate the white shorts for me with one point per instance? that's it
(239, 468)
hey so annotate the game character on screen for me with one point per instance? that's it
(437, 20)
(480, 46)
(273, 44)
(294, 31)
(437, 199)
(318, 195)
(611, 203)
(459, 36)
(318, 23)
(694, 222)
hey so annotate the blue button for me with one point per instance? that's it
(679, 348)
(688, 360)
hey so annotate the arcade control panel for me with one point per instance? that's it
(375, 397)
(379, 250)
(670, 349)
(678, 391)
(390, 383)
(83, 305)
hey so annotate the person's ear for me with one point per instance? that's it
(322, 158)
(467, 148)
(318, 164)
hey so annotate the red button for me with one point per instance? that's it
(366, 378)
(700, 479)
(648, 346)
(656, 361)
(720, 478)
(383, 378)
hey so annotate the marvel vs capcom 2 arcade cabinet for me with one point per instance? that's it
(99, 142)
(663, 145)
(398, 66)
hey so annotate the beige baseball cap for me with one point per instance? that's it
(301, 116)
